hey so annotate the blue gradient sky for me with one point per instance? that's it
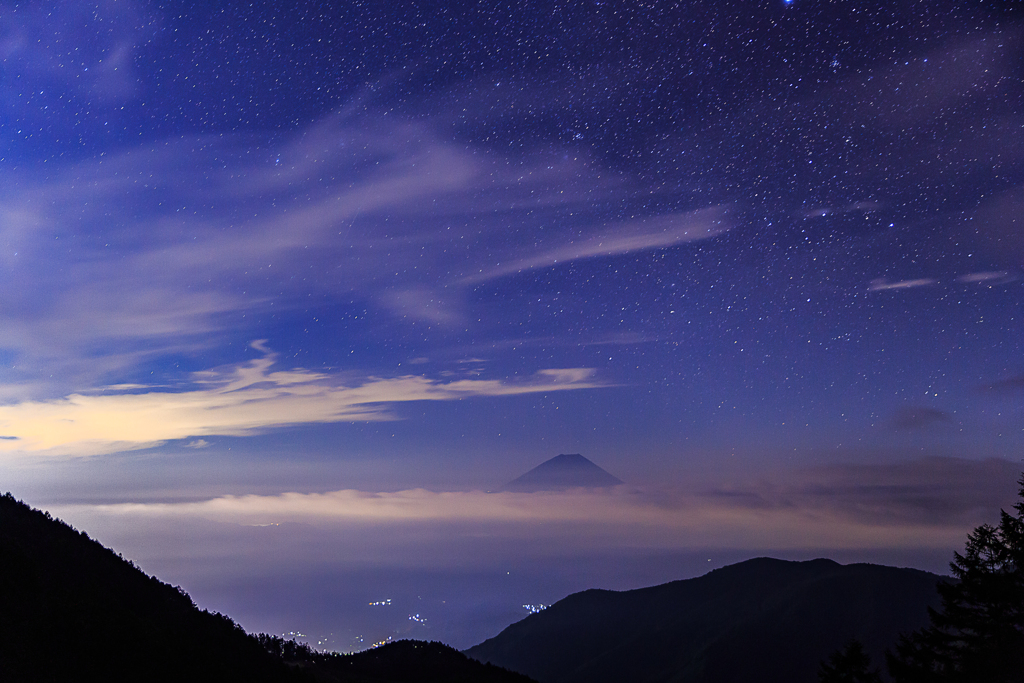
(347, 268)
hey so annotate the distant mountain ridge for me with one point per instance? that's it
(764, 620)
(566, 471)
(410, 661)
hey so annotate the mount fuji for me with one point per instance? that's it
(566, 471)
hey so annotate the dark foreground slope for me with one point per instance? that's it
(72, 610)
(762, 620)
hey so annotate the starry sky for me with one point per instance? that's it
(288, 289)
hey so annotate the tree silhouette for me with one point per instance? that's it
(850, 665)
(979, 633)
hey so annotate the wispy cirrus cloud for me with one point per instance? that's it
(990, 278)
(85, 47)
(241, 400)
(161, 248)
(881, 284)
(626, 237)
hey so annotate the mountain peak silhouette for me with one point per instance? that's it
(566, 471)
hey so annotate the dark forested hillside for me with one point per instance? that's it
(765, 620)
(73, 610)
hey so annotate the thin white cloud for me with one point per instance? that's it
(881, 285)
(242, 400)
(861, 206)
(623, 238)
(990, 278)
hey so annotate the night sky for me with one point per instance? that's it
(289, 288)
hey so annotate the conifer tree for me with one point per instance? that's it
(978, 635)
(850, 665)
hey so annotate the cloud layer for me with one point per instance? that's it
(238, 401)
(929, 503)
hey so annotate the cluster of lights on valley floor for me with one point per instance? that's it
(328, 643)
